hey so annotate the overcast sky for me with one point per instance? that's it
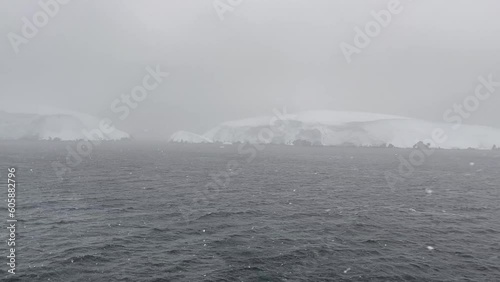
(264, 54)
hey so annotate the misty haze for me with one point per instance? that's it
(250, 140)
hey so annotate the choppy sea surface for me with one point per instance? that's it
(165, 212)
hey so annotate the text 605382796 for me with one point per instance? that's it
(11, 221)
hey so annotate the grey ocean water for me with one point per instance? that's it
(292, 214)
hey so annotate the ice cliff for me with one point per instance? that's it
(333, 128)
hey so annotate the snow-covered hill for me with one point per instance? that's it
(331, 128)
(47, 124)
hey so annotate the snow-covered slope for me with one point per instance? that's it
(333, 128)
(46, 124)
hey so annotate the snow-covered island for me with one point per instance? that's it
(50, 124)
(335, 128)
